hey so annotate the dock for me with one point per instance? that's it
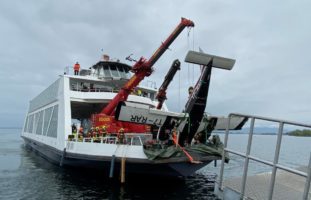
(287, 186)
(283, 182)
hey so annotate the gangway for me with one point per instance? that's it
(228, 192)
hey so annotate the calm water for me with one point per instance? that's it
(24, 175)
(294, 153)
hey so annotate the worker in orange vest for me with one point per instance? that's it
(81, 130)
(174, 135)
(76, 68)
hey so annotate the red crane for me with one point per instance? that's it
(141, 69)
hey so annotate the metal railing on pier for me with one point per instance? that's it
(275, 164)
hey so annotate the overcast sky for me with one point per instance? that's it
(270, 40)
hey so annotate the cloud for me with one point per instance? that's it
(270, 42)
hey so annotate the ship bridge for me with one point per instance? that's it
(107, 76)
(110, 70)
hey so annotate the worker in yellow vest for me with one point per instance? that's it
(121, 136)
(104, 131)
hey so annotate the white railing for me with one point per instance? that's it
(149, 84)
(78, 88)
(130, 139)
(275, 164)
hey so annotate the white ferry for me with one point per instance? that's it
(102, 96)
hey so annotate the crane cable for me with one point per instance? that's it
(193, 50)
(190, 76)
(188, 47)
(179, 108)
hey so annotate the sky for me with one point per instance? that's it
(270, 41)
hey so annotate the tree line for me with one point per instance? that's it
(305, 132)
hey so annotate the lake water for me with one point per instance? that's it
(24, 175)
(294, 153)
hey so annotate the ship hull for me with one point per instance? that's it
(103, 163)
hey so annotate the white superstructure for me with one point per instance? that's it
(72, 98)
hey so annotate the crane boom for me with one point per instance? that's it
(161, 96)
(143, 68)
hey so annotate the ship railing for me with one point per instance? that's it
(275, 164)
(78, 88)
(137, 138)
(132, 139)
(86, 87)
(102, 140)
(149, 84)
(68, 70)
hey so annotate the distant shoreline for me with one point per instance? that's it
(246, 133)
(300, 133)
(10, 127)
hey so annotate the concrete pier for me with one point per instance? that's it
(287, 186)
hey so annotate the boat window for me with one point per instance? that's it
(39, 126)
(107, 71)
(151, 96)
(36, 118)
(101, 72)
(30, 127)
(122, 72)
(26, 124)
(114, 71)
(136, 141)
(52, 130)
(47, 117)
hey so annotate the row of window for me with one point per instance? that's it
(44, 98)
(112, 71)
(43, 122)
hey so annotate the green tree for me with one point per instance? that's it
(302, 133)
